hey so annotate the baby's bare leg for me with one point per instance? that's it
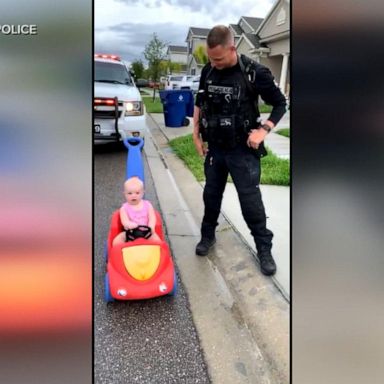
(119, 239)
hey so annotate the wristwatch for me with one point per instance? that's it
(266, 127)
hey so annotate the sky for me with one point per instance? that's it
(124, 27)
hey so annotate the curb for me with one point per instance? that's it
(250, 343)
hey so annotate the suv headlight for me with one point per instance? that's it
(133, 108)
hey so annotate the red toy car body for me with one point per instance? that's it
(138, 269)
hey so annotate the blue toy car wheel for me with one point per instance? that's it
(107, 293)
(106, 251)
(175, 285)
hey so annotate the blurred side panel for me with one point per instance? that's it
(337, 215)
(46, 193)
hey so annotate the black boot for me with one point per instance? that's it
(202, 248)
(267, 264)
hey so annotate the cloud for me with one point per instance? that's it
(228, 9)
(124, 27)
(129, 40)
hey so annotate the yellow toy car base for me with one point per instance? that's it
(141, 261)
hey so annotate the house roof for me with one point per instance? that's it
(254, 22)
(270, 14)
(236, 28)
(253, 39)
(199, 31)
(177, 49)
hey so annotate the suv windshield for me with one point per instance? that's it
(111, 73)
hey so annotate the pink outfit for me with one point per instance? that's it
(140, 217)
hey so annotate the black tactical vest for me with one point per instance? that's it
(228, 110)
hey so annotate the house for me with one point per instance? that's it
(177, 54)
(237, 31)
(195, 66)
(198, 36)
(247, 43)
(265, 40)
(247, 39)
(274, 48)
(249, 24)
(195, 37)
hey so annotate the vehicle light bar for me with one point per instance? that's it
(111, 57)
(105, 101)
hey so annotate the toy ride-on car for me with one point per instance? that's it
(141, 268)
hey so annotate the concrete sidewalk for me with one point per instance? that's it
(277, 143)
(240, 315)
(276, 200)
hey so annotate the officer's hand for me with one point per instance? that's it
(201, 147)
(255, 137)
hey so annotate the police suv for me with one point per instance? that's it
(118, 106)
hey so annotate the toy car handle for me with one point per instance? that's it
(130, 142)
(135, 165)
(142, 231)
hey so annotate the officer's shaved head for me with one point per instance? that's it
(220, 35)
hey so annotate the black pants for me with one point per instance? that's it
(244, 167)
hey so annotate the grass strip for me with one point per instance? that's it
(283, 132)
(275, 171)
(152, 106)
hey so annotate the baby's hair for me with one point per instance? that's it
(133, 181)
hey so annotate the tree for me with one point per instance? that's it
(154, 53)
(146, 74)
(168, 67)
(137, 67)
(174, 67)
(163, 67)
(200, 54)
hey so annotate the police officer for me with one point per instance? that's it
(227, 118)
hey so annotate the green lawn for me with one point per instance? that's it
(157, 107)
(264, 108)
(283, 132)
(153, 107)
(275, 171)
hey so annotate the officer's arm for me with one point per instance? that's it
(200, 146)
(196, 127)
(271, 94)
(198, 104)
(197, 140)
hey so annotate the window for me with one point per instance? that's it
(111, 73)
